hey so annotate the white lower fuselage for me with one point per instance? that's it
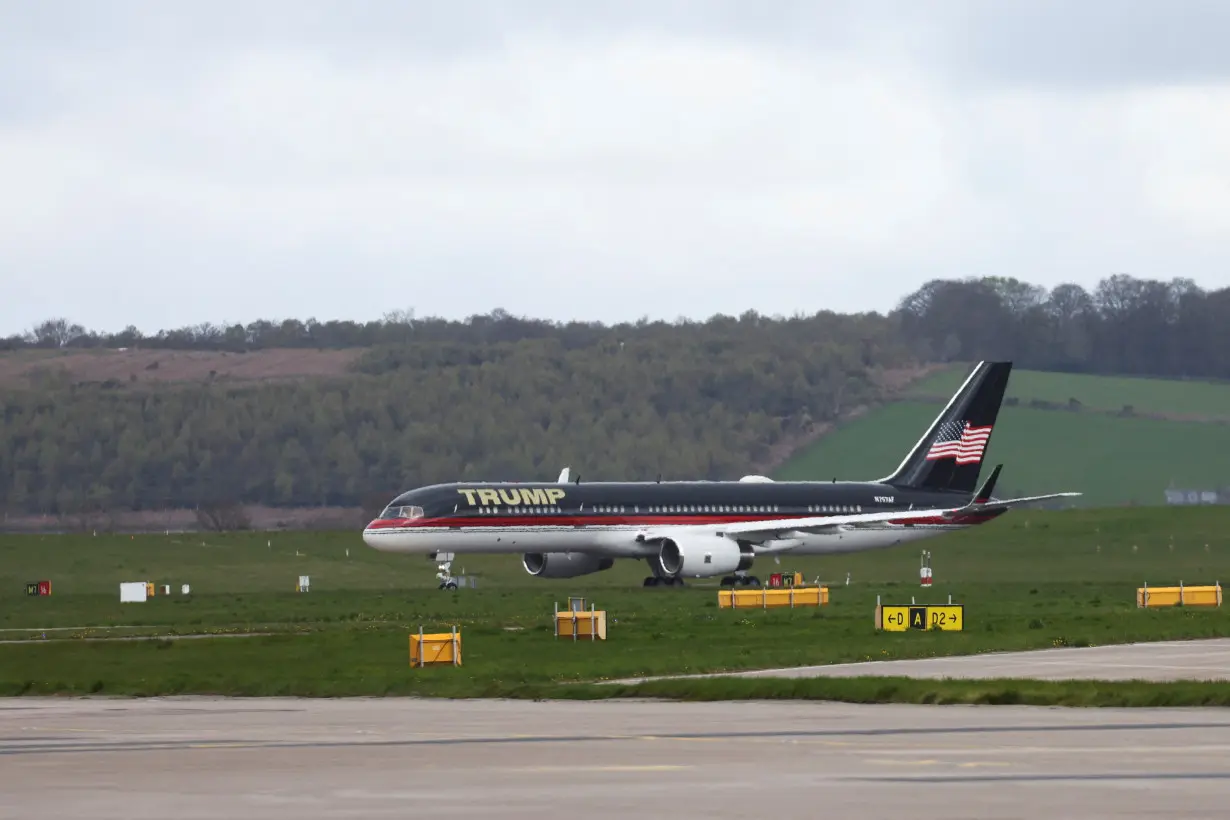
(618, 541)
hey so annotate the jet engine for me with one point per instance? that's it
(563, 564)
(702, 556)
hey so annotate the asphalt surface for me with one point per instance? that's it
(286, 758)
(1163, 661)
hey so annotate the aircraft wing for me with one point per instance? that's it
(770, 529)
(782, 529)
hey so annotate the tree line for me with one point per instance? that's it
(1124, 325)
(701, 400)
(503, 397)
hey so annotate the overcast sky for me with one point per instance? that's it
(170, 163)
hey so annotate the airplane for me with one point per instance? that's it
(704, 529)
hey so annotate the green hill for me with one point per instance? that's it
(1111, 460)
(1196, 400)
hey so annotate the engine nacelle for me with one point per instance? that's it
(563, 564)
(702, 556)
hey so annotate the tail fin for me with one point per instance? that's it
(949, 455)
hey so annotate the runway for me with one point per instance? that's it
(1161, 661)
(287, 758)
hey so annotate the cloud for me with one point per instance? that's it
(1090, 46)
(168, 165)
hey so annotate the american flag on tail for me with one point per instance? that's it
(957, 439)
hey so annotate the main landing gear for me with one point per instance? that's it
(655, 581)
(660, 578)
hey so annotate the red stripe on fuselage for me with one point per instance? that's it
(638, 520)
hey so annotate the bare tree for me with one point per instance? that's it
(223, 516)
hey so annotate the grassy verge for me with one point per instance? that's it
(908, 690)
(350, 680)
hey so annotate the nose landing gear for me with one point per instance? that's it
(445, 570)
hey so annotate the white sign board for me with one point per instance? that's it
(183, 590)
(304, 583)
(133, 593)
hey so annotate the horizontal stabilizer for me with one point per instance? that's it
(1007, 503)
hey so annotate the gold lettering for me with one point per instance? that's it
(515, 496)
(535, 496)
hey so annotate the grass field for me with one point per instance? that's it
(1030, 580)
(1111, 460)
(1189, 399)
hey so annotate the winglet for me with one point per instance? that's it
(563, 476)
(984, 492)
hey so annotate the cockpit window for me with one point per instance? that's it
(402, 512)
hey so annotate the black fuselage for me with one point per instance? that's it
(664, 502)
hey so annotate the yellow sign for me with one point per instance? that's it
(894, 618)
(902, 618)
(513, 496)
(947, 618)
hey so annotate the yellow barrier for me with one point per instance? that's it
(590, 625)
(950, 618)
(764, 598)
(1148, 596)
(575, 622)
(437, 647)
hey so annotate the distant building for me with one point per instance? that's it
(1189, 497)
